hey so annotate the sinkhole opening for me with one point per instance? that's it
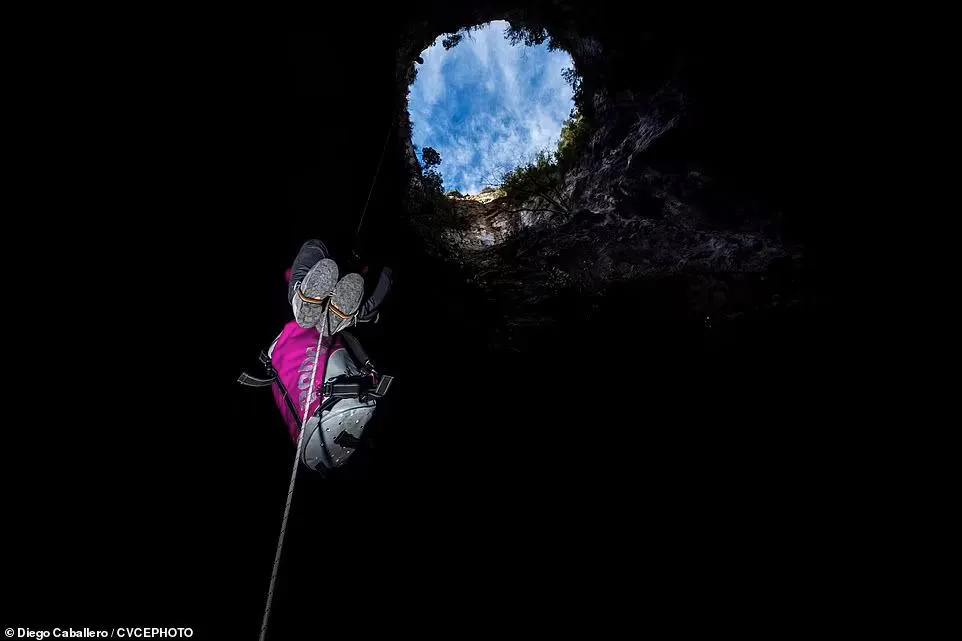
(488, 101)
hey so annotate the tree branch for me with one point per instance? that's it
(539, 194)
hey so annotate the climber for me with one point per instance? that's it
(318, 346)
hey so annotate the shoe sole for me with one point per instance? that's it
(347, 296)
(318, 283)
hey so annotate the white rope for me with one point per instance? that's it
(290, 490)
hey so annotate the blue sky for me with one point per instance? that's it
(487, 106)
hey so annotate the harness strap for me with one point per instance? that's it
(253, 381)
(265, 360)
(247, 380)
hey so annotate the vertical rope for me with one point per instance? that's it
(377, 171)
(290, 491)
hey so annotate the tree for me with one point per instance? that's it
(528, 35)
(533, 189)
(571, 142)
(433, 182)
(431, 157)
(452, 41)
(570, 76)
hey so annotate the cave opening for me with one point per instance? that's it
(494, 117)
(487, 100)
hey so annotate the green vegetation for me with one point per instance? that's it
(436, 212)
(577, 87)
(572, 141)
(527, 35)
(430, 157)
(539, 175)
(430, 160)
(543, 176)
(454, 193)
(452, 40)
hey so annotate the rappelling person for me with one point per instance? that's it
(320, 375)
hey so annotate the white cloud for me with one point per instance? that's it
(430, 78)
(487, 106)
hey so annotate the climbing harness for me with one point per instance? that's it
(355, 389)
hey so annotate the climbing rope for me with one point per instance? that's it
(377, 171)
(290, 490)
(307, 405)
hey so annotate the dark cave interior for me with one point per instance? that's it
(623, 386)
(625, 391)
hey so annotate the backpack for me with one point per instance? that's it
(346, 391)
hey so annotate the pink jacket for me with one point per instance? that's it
(293, 355)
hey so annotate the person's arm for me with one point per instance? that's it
(384, 283)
